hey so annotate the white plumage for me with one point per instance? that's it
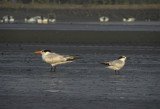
(116, 65)
(55, 59)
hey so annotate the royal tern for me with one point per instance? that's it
(55, 59)
(116, 65)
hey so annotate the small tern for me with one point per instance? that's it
(117, 64)
(55, 59)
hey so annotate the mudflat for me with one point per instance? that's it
(112, 33)
(25, 81)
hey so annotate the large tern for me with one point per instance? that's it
(117, 64)
(55, 59)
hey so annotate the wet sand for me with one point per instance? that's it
(80, 37)
(84, 84)
(119, 33)
(25, 81)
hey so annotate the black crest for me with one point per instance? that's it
(46, 50)
(121, 57)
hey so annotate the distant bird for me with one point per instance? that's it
(116, 65)
(129, 19)
(55, 59)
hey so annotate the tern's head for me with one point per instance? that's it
(122, 58)
(43, 51)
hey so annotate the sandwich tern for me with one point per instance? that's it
(55, 59)
(117, 64)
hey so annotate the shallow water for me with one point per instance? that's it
(27, 83)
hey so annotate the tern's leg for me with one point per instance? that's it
(115, 72)
(51, 69)
(54, 68)
(118, 72)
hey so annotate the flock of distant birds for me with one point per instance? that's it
(44, 20)
(35, 19)
(106, 19)
(55, 59)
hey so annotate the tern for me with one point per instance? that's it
(117, 64)
(55, 59)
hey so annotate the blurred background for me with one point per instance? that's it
(82, 10)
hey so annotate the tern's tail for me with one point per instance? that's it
(105, 63)
(70, 58)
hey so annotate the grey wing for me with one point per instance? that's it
(55, 58)
(116, 63)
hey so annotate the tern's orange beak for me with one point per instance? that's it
(38, 52)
